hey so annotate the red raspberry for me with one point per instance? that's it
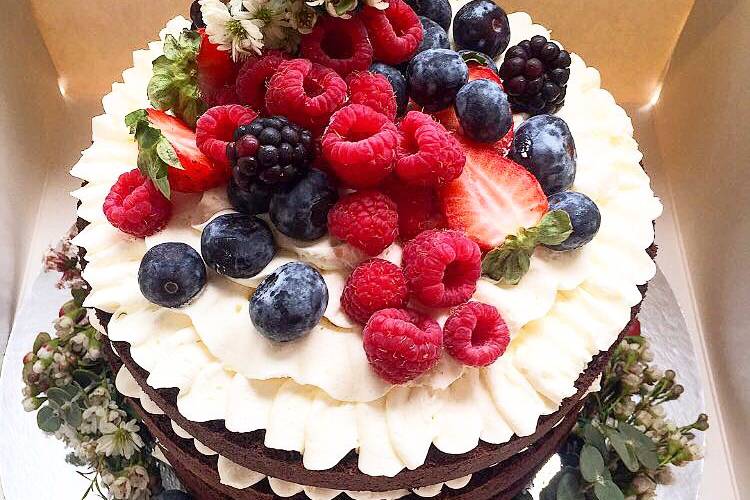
(418, 209)
(306, 93)
(254, 76)
(395, 33)
(135, 206)
(428, 155)
(339, 44)
(374, 285)
(360, 146)
(401, 344)
(374, 90)
(366, 220)
(215, 130)
(475, 334)
(442, 267)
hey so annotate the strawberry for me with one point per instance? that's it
(198, 173)
(217, 74)
(493, 198)
(477, 72)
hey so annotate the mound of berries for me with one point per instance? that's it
(374, 285)
(136, 207)
(367, 220)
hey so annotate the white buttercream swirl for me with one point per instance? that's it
(318, 396)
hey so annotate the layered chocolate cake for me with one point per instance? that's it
(362, 259)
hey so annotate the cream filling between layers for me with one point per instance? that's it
(318, 396)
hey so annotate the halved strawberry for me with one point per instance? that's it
(477, 72)
(198, 173)
(217, 74)
(493, 198)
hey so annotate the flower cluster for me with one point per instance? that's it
(64, 259)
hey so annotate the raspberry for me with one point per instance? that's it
(214, 130)
(254, 75)
(428, 155)
(360, 146)
(135, 206)
(475, 334)
(339, 44)
(401, 344)
(442, 267)
(395, 33)
(374, 285)
(367, 220)
(374, 90)
(418, 209)
(308, 94)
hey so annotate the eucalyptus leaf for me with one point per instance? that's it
(643, 446)
(73, 415)
(47, 420)
(85, 377)
(607, 490)
(57, 396)
(595, 438)
(624, 450)
(72, 390)
(592, 464)
(569, 488)
(40, 340)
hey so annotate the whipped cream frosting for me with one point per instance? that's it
(318, 396)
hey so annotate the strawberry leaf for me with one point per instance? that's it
(554, 228)
(155, 154)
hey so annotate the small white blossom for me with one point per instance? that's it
(232, 28)
(378, 4)
(122, 440)
(38, 366)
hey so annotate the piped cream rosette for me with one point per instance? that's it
(318, 395)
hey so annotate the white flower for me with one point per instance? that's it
(44, 352)
(378, 4)
(273, 16)
(122, 440)
(233, 30)
(38, 366)
(121, 488)
(138, 477)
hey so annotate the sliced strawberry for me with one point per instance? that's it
(493, 198)
(198, 173)
(477, 72)
(217, 74)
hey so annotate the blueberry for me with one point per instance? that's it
(544, 145)
(398, 82)
(171, 274)
(251, 201)
(237, 245)
(482, 25)
(289, 302)
(302, 212)
(472, 56)
(584, 216)
(435, 37)
(173, 495)
(434, 78)
(439, 11)
(483, 111)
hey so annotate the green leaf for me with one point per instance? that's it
(167, 154)
(85, 377)
(569, 488)
(58, 397)
(162, 184)
(642, 445)
(607, 490)
(40, 340)
(155, 153)
(623, 449)
(73, 415)
(595, 438)
(592, 464)
(135, 118)
(344, 6)
(160, 92)
(554, 228)
(79, 295)
(171, 47)
(47, 420)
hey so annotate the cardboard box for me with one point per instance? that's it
(679, 67)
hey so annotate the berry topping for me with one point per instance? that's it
(360, 146)
(374, 285)
(216, 73)
(584, 218)
(544, 145)
(402, 344)
(215, 130)
(427, 154)
(339, 44)
(398, 83)
(439, 11)
(251, 201)
(289, 302)
(302, 212)
(271, 150)
(237, 245)
(483, 111)
(481, 60)
(435, 36)
(136, 207)
(475, 334)
(305, 92)
(374, 90)
(493, 198)
(418, 209)
(367, 220)
(536, 74)
(171, 274)
(442, 267)
(254, 76)
(395, 33)
(481, 25)
(434, 78)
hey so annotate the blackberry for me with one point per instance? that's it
(196, 16)
(535, 74)
(271, 150)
